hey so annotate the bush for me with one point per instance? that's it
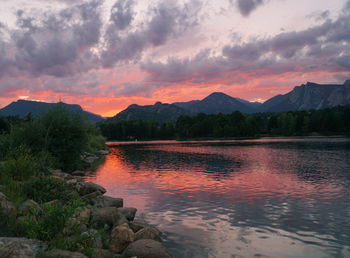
(66, 137)
(46, 224)
(20, 164)
(46, 189)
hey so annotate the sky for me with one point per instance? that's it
(107, 55)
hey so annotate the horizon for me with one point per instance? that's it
(107, 55)
(159, 101)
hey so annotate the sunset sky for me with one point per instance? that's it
(106, 55)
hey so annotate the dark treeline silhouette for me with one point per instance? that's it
(137, 129)
(332, 121)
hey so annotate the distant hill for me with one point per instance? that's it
(309, 96)
(22, 107)
(305, 97)
(158, 112)
(218, 102)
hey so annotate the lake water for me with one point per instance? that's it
(251, 198)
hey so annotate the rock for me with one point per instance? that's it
(138, 224)
(85, 188)
(60, 174)
(93, 237)
(129, 213)
(148, 232)
(102, 253)
(57, 253)
(7, 207)
(78, 222)
(121, 237)
(55, 171)
(90, 158)
(20, 247)
(91, 196)
(29, 207)
(52, 203)
(107, 216)
(146, 248)
(2, 197)
(79, 173)
(103, 152)
(74, 226)
(57, 178)
(106, 201)
(83, 214)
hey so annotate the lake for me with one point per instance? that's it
(269, 197)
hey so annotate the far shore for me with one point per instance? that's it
(212, 139)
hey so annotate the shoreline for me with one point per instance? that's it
(123, 235)
(214, 140)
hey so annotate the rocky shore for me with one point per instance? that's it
(109, 227)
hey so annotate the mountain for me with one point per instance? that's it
(158, 112)
(22, 107)
(304, 97)
(218, 102)
(186, 105)
(309, 96)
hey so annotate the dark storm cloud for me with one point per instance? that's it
(167, 21)
(321, 48)
(246, 7)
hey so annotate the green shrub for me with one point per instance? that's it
(47, 224)
(46, 189)
(66, 137)
(20, 164)
(96, 143)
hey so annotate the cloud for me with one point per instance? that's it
(57, 44)
(246, 7)
(344, 61)
(122, 14)
(168, 20)
(321, 48)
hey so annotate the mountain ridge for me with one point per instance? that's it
(304, 97)
(22, 107)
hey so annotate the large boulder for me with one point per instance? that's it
(129, 213)
(138, 224)
(29, 207)
(89, 197)
(85, 188)
(102, 253)
(20, 247)
(146, 248)
(107, 216)
(121, 237)
(106, 201)
(148, 232)
(57, 253)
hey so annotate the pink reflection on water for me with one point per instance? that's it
(142, 185)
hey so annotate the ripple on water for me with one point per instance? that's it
(257, 198)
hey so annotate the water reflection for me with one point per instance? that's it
(264, 198)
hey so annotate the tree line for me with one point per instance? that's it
(332, 121)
